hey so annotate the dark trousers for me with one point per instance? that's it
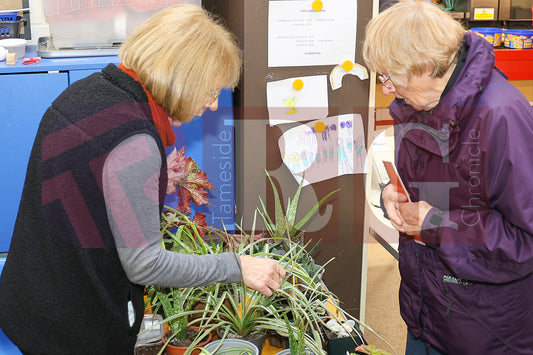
(416, 346)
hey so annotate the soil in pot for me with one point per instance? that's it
(178, 347)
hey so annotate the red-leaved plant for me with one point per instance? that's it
(189, 183)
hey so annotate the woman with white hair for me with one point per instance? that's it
(463, 137)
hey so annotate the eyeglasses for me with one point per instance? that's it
(386, 80)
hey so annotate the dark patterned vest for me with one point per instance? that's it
(63, 289)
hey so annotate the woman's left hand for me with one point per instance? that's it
(413, 215)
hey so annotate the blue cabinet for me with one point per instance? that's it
(24, 102)
(75, 75)
(28, 90)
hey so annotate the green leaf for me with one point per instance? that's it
(278, 207)
(313, 210)
(292, 206)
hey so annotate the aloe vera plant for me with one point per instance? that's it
(283, 227)
(296, 336)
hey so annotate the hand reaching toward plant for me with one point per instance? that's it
(261, 274)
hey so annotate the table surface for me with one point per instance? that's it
(51, 64)
(269, 349)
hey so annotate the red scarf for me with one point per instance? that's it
(159, 115)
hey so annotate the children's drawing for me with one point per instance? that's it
(336, 75)
(297, 99)
(290, 103)
(325, 148)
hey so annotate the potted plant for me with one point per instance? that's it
(283, 228)
(342, 336)
(287, 235)
(230, 346)
(189, 183)
(234, 307)
(303, 300)
(187, 327)
(240, 312)
(176, 305)
(296, 338)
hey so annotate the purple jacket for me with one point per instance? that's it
(469, 290)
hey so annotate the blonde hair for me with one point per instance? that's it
(183, 55)
(411, 38)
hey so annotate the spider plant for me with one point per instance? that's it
(240, 310)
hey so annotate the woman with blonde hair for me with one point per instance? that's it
(462, 142)
(87, 234)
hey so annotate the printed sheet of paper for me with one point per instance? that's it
(325, 148)
(300, 36)
(297, 99)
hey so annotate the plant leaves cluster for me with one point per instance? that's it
(298, 309)
(189, 183)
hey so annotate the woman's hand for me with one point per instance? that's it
(261, 274)
(407, 217)
(391, 203)
(413, 215)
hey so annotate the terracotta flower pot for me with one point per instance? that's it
(180, 350)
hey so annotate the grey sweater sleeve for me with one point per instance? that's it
(131, 189)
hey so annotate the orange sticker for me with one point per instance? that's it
(317, 5)
(320, 127)
(298, 84)
(347, 65)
